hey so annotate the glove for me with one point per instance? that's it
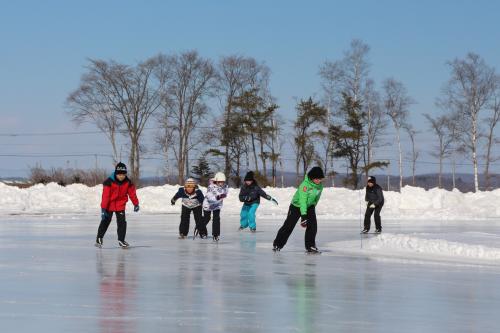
(303, 221)
(274, 201)
(221, 196)
(172, 202)
(104, 213)
(372, 206)
(136, 208)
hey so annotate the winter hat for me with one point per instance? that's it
(219, 177)
(190, 182)
(316, 173)
(120, 169)
(372, 179)
(249, 176)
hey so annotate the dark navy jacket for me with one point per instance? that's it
(374, 195)
(251, 194)
(192, 200)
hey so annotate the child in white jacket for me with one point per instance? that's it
(216, 192)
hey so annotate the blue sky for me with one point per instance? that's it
(44, 47)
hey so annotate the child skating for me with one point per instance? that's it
(216, 192)
(250, 194)
(117, 189)
(192, 199)
(374, 198)
(303, 207)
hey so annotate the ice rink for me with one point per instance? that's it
(53, 279)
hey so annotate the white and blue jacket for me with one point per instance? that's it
(212, 198)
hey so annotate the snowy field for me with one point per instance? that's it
(336, 203)
(427, 275)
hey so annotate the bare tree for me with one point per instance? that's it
(468, 91)
(310, 115)
(348, 75)
(88, 105)
(124, 96)
(189, 82)
(441, 127)
(414, 151)
(396, 104)
(376, 123)
(491, 123)
(236, 74)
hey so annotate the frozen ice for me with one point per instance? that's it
(53, 279)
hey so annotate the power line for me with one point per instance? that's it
(54, 155)
(83, 132)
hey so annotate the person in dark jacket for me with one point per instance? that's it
(250, 194)
(192, 199)
(116, 191)
(374, 198)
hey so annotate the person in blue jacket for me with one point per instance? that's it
(250, 194)
(192, 199)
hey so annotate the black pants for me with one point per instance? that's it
(121, 223)
(368, 215)
(198, 219)
(289, 224)
(215, 223)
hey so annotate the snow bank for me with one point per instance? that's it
(336, 203)
(394, 244)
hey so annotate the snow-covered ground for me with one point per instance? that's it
(336, 203)
(419, 276)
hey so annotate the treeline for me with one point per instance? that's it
(63, 177)
(223, 115)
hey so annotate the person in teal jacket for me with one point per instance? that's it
(303, 206)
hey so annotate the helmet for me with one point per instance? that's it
(219, 177)
(190, 182)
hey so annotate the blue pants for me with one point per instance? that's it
(247, 216)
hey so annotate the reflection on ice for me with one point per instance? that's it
(54, 279)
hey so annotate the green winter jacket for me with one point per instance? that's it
(307, 195)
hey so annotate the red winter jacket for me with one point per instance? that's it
(115, 194)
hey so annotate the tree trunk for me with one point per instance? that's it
(488, 157)
(474, 154)
(112, 138)
(400, 160)
(254, 150)
(440, 180)
(453, 172)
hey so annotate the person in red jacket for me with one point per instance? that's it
(115, 193)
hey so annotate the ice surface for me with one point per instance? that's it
(53, 279)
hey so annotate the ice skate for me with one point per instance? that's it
(123, 244)
(98, 242)
(313, 250)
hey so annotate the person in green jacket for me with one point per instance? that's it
(303, 206)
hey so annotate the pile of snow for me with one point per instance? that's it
(410, 245)
(336, 203)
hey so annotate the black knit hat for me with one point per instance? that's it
(249, 176)
(120, 169)
(372, 179)
(316, 173)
